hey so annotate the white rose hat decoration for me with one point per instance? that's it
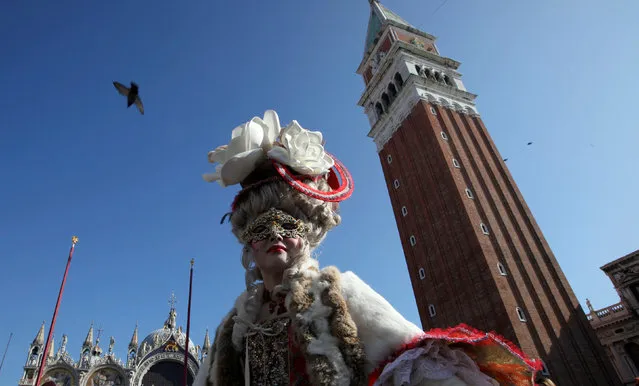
(302, 150)
(249, 144)
(295, 153)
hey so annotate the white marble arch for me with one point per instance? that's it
(111, 366)
(61, 367)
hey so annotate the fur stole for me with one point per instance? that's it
(343, 327)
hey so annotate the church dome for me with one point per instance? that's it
(169, 338)
(166, 337)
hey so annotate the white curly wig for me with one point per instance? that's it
(276, 193)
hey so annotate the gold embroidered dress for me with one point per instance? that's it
(271, 355)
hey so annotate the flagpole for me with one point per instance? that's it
(45, 353)
(188, 327)
(5, 351)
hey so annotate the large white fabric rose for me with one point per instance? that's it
(302, 150)
(249, 144)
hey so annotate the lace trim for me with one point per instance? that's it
(463, 334)
(434, 361)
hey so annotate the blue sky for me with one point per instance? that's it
(74, 160)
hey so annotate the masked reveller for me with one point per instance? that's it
(297, 324)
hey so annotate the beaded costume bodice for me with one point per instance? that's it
(267, 353)
(272, 355)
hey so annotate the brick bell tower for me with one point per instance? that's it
(474, 252)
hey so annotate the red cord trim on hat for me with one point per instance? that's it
(339, 193)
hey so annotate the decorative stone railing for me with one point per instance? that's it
(608, 314)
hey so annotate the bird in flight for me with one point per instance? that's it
(131, 94)
(528, 144)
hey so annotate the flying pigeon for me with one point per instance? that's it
(131, 94)
(505, 159)
(529, 143)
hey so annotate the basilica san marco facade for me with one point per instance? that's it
(158, 360)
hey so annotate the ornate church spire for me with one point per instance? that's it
(171, 320)
(133, 344)
(88, 342)
(39, 339)
(97, 350)
(52, 348)
(133, 348)
(207, 342)
(206, 346)
(34, 357)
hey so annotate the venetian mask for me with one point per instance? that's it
(273, 223)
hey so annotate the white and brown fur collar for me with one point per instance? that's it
(344, 328)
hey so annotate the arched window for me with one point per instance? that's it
(431, 310)
(398, 80)
(392, 92)
(469, 193)
(501, 268)
(166, 373)
(520, 314)
(34, 351)
(379, 110)
(385, 101)
(447, 80)
(438, 77)
(422, 274)
(428, 73)
(418, 68)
